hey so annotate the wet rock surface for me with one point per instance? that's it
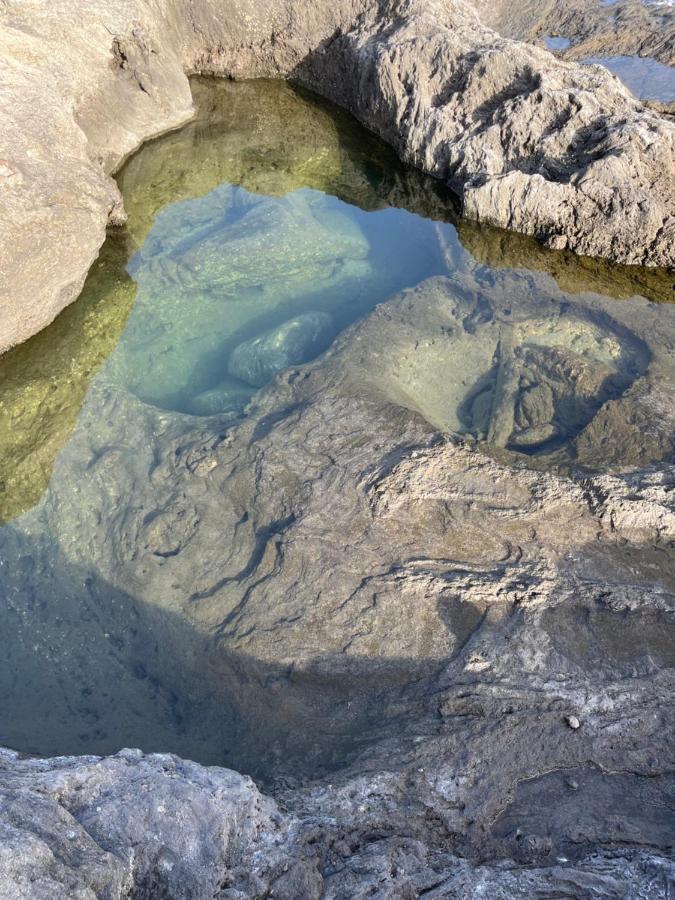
(396, 629)
(530, 143)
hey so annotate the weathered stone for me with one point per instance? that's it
(154, 825)
(377, 618)
(632, 27)
(294, 342)
(531, 143)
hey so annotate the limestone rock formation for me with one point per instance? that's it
(379, 621)
(157, 826)
(627, 27)
(531, 143)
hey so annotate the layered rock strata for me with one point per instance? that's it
(529, 142)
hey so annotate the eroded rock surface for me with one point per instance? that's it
(389, 618)
(151, 826)
(627, 27)
(531, 143)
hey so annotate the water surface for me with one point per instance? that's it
(260, 234)
(644, 77)
(557, 43)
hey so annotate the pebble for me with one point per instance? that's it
(573, 722)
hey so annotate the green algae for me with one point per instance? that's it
(44, 381)
(574, 274)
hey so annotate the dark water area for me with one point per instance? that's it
(257, 236)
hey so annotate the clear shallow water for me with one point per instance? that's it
(257, 235)
(234, 287)
(646, 78)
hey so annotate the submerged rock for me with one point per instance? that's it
(385, 624)
(43, 383)
(214, 267)
(230, 396)
(300, 339)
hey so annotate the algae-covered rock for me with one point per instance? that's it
(299, 141)
(575, 274)
(296, 341)
(44, 381)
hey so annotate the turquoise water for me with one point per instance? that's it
(235, 287)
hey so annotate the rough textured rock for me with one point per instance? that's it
(129, 825)
(389, 626)
(628, 27)
(532, 143)
(156, 826)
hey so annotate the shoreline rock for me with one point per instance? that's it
(589, 173)
(622, 27)
(157, 826)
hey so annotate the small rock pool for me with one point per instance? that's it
(646, 78)
(258, 277)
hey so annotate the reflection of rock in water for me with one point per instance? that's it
(574, 274)
(271, 139)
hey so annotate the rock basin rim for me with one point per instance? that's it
(530, 143)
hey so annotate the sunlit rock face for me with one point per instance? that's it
(589, 29)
